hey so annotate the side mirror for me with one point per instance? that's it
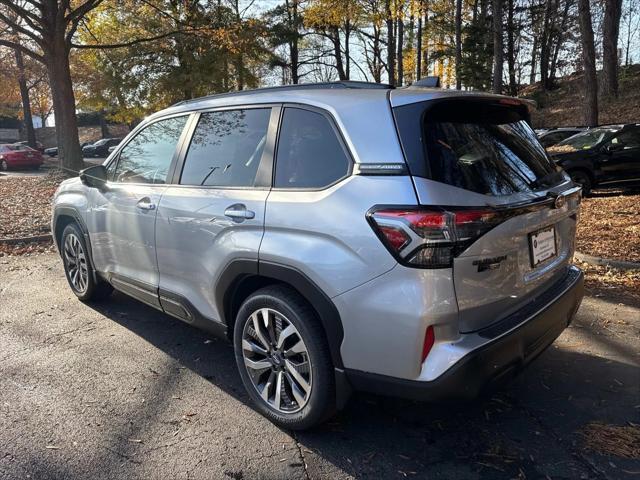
(94, 177)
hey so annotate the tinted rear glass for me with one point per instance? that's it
(309, 152)
(481, 147)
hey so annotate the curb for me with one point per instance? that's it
(605, 262)
(32, 239)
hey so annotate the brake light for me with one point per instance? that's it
(431, 238)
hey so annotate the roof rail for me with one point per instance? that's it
(302, 86)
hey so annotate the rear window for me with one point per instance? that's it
(483, 147)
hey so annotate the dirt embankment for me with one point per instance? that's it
(563, 106)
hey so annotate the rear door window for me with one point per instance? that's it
(485, 148)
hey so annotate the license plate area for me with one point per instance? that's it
(542, 245)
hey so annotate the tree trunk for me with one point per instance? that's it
(425, 53)
(547, 28)
(610, 32)
(511, 53)
(391, 45)
(337, 52)
(347, 53)
(104, 127)
(294, 55)
(458, 44)
(400, 49)
(589, 64)
(376, 67)
(26, 102)
(239, 67)
(534, 57)
(498, 48)
(64, 105)
(560, 39)
(419, 49)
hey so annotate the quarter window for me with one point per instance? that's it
(226, 148)
(310, 154)
(147, 157)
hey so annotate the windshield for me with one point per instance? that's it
(100, 142)
(582, 141)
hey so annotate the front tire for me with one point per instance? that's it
(3, 166)
(284, 359)
(78, 269)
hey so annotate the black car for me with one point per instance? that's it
(607, 156)
(100, 148)
(556, 135)
(53, 151)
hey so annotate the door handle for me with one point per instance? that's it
(145, 204)
(239, 212)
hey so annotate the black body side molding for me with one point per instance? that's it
(240, 270)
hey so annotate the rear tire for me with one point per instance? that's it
(78, 268)
(582, 178)
(283, 358)
(3, 166)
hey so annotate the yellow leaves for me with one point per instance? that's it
(332, 13)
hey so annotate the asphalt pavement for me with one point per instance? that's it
(118, 390)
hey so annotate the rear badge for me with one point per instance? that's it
(489, 263)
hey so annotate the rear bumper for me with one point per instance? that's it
(511, 345)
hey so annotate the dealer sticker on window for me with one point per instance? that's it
(542, 245)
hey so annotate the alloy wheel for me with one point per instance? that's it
(76, 263)
(277, 360)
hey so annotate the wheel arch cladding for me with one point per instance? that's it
(242, 277)
(62, 217)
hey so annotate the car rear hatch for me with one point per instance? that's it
(508, 214)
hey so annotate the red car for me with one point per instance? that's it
(15, 156)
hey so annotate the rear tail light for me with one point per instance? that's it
(431, 238)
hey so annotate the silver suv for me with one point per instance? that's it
(347, 236)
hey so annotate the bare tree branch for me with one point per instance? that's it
(25, 50)
(18, 29)
(29, 17)
(82, 10)
(130, 43)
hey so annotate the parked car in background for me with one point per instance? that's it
(52, 152)
(556, 135)
(607, 156)
(100, 148)
(16, 156)
(111, 149)
(429, 257)
(39, 145)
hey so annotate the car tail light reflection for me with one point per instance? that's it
(429, 339)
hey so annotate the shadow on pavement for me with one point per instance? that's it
(530, 429)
